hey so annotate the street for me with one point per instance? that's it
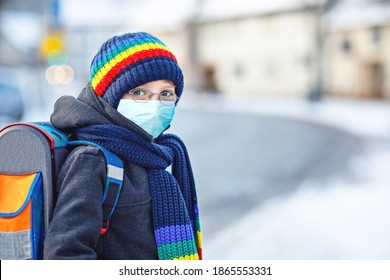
(309, 182)
(240, 161)
(274, 186)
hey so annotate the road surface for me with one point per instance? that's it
(242, 160)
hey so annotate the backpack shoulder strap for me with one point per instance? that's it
(114, 182)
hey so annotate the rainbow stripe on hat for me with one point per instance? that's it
(121, 55)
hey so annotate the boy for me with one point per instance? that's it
(135, 84)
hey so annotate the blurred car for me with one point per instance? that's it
(11, 98)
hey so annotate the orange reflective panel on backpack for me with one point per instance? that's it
(20, 215)
(14, 191)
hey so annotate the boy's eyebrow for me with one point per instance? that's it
(168, 83)
(168, 86)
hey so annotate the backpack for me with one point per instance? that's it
(31, 156)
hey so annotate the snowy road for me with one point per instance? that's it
(242, 161)
(301, 183)
(281, 179)
(336, 219)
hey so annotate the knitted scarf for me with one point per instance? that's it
(174, 203)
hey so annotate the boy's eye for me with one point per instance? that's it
(167, 93)
(138, 92)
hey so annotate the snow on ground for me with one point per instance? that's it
(342, 220)
(362, 117)
(339, 220)
(345, 220)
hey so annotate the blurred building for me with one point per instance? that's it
(258, 49)
(13, 55)
(279, 47)
(357, 57)
(287, 47)
(21, 30)
(247, 47)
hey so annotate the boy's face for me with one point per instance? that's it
(152, 116)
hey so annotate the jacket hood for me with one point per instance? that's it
(87, 109)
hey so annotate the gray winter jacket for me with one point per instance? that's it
(74, 232)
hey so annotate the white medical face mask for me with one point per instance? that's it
(152, 116)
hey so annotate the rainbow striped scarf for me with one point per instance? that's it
(174, 202)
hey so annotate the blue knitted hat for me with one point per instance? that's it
(130, 60)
